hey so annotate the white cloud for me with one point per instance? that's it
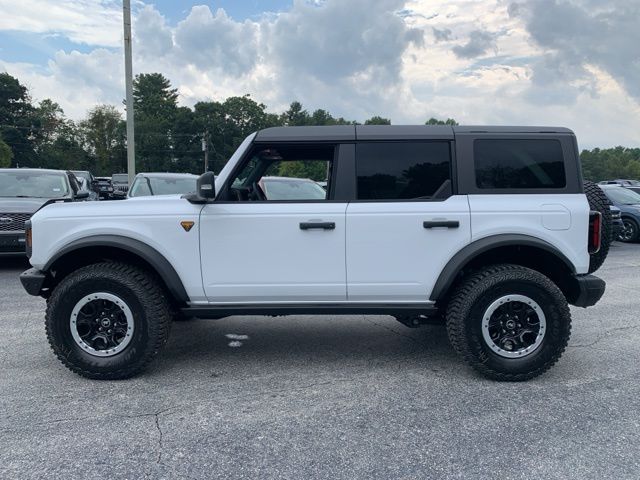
(477, 61)
(92, 22)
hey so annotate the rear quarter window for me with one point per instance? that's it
(519, 164)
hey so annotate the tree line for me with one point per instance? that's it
(170, 137)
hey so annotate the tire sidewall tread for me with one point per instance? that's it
(472, 297)
(141, 292)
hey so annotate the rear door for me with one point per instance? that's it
(406, 222)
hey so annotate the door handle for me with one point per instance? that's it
(441, 224)
(317, 225)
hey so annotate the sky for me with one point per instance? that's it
(573, 63)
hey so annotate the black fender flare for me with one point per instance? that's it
(149, 254)
(474, 249)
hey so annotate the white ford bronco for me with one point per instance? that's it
(489, 230)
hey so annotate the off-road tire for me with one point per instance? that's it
(599, 202)
(143, 295)
(471, 299)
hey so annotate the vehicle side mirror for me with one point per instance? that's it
(81, 195)
(207, 186)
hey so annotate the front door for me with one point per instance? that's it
(273, 236)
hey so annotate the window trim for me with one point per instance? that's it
(452, 172)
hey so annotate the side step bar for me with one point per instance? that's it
(219, 311)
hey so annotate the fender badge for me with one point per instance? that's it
(187, 225)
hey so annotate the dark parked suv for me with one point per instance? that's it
(23, 192)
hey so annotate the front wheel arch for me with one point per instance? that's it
(99, 248)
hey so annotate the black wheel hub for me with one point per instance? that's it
(514, 326)
(101, 324)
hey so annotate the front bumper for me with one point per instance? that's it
(586, 290)
(33, 280)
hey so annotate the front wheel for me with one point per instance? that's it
(509, 322)
(107, 320)
(629, 232)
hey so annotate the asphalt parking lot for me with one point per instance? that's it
(324, 397)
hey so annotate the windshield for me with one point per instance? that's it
(84, 175)
(33, 184)
(145, 186)
(622, 196)
(293, 189)
(120, 178)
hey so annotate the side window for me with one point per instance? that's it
(524, 164)
(140, 187)
(284, 172)
(403, 170)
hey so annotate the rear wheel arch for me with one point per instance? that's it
(98, 248)
(524, 250)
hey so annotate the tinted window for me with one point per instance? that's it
(519, 164)
(402, 170)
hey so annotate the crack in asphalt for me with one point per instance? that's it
(604, 335)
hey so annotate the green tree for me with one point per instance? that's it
(65, 151)
(104, 140)
(5, 154)
(18, 125)
(610, 163)
(50, 119)
(295, 116)
(435, 121)
(304, 169)
(153, 96)
(377, 120)
(155, 109)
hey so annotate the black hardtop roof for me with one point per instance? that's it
(342, 133)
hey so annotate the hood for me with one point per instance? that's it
(141, 207)
(23, 205)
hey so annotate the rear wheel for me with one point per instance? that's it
(107, 320)
(509, 322)
(629, 232)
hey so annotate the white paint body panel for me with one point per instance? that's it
(256, 252)
(391, 257)
(561, 220)
(151, 220)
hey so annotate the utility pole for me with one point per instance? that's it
(205, 149)
(128, 73)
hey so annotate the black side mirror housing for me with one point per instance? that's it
(205, 189)
(81, 195)
(207, 186)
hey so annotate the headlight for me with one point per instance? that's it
(28, 237)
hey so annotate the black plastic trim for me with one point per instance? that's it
(160, 264)
(32, 280)
(218, 311)
(471, 251)
(441, 224)
(586, 290)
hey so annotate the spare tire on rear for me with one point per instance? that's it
(599, 202)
